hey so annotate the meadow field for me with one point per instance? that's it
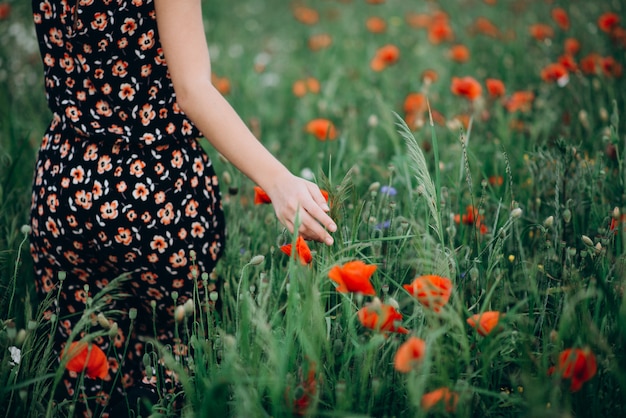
(473, 154)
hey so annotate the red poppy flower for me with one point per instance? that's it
(319, 41)
(610, 67)
(554, 72)
(417, 20)
(560, 17)
(541, 31)
(495, 87)
(222, 84)
(467, 87)
(354, 276)
(431, 291)
(89, 358)
(5, 10)
(304, 393)
(484, 322)
(381, 317)
(459, 53)
(376, 24)
(486, 27)
(571, 46)
(409, 354)
(385, 56)
(306, 15)
(591, 63)
(608, 21)
(429, 76)
(322, 129)
(568, 62)
(445, 395)
(578, 365)
(260, 197)
(439, 29)
(302, 250)
(472, 217)
(520, 101)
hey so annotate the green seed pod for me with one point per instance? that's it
(567, 215)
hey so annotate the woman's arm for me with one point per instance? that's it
(183, 39)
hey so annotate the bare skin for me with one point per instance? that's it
(182, 35)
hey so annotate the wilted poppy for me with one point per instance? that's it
(409, 355)
(82, 356)
(321, 128)
(484, 322)
(495, 87)
(445, 395)
(608, 21)
(302, 250)
(560, 17)
(467, 87)
(578, 365)
(430, 290)
(353, 276)
(260, 197)
(380, 317)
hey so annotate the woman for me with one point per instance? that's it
(121, 185)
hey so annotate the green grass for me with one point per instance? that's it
(280, 322)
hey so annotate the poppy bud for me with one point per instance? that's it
(179, 313)
(189, 307)
(20, 337)
(113, 330)
(587, 240)
(103, 321)
(567, 215)
(257, 260)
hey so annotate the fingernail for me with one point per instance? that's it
(329, 241)
(332, 227)
(325, 207)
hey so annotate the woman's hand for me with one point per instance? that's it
(297, 200)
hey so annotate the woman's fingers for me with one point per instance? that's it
(311, 228)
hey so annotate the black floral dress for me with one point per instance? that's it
(121, 186)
